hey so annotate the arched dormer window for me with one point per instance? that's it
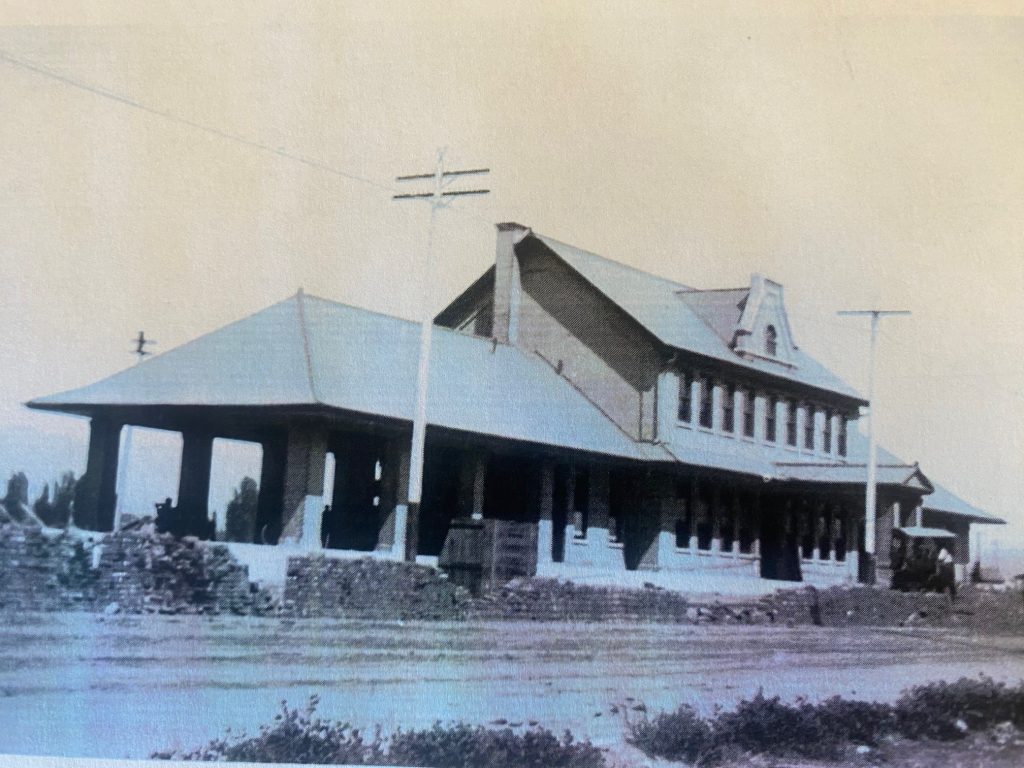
(771, 341)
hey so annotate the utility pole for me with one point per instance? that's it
(140, 353)
(439, 199)
(870, 504)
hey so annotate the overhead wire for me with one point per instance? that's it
(822, 315)
(97, 90)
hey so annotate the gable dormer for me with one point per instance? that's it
(762, 330)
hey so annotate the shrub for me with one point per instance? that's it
(767, 726)
(680, 735)
(855, 722)
(298, 736)
(932, 711)
(464, 746)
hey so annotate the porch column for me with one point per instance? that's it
(194, 482)
(885, 520)
(394, 511)
(852, 547)
(271, 494)
(545, 525)
(695, 511)
(755, 525)
(599, 501)
(96, 496)
(302, 515)
(716, 519)
(472, 475)
(817, 515)
(737, 523)
(571, 533)
(671, 509)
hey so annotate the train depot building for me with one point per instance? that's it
(623, 421)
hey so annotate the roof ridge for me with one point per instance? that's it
(714, 290)
(623, 265)
(304, 334)
(887, 465)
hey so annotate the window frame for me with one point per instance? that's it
(749, 413)
(729, 409)
(771, 426)
(685, 402)
(771, 341)
(792, 425)
(705, 403)
(809, 430)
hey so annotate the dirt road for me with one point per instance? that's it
(86, 685)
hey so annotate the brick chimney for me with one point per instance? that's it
(507, 287)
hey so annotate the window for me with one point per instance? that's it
(791, 423)
(748, 413)
(842, 435)
(770, 431)
(826, 437)
(685, 398)
(729, 408)
(809, 428)
(705, 403)
(771, 341)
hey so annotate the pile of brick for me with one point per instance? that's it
(552, 600)
(42, 571)
(148, 572)
(365, 588)
(133, 572)
(851, 606)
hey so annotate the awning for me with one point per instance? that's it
(920, 532)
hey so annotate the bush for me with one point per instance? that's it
(298, 736)
(680, 735)
(767, 726)
(855, 722)
(464, 746)
(932, 711)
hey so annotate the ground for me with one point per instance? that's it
(122, 686)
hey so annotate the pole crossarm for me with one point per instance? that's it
(439, 200)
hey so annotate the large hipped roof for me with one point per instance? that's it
(310, 351)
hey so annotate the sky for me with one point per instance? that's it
(862, 158)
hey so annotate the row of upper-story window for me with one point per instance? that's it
(738, 411)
